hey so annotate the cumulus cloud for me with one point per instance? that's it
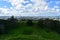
(4, 10)
(32, 8)
(54, 9)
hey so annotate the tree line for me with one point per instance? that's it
(11, 23)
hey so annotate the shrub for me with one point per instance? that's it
(29, 22)
(50, 24)
(57, 26)
(40, 23)
(12, 22)
(3, 28)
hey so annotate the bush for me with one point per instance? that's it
(50, 24)
(29, 22)
(57, 26)
(40, 23)
(3, 28)
(12, 23)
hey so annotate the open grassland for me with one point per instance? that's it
(25, 32)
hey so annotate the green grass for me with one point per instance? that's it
(25, 32)
(17, 34)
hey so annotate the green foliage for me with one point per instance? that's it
(50, 24)
(57, 26)
(29, 22)
(40, 23)
(27, 31)
(37, 35)
(12, 22)
(5, 25)
(3, 29)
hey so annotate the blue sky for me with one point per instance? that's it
(4, 3)
(29, 7)
(53, 3)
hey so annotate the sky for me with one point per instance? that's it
(30, 7)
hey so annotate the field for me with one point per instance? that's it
(25, 32)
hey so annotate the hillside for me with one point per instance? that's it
(25, 32)
(40, 34)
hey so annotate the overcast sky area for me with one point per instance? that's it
(30, 7)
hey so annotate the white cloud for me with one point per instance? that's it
(30, 8)
(4, 10)
(39, 6)
(15, 2)
(55, 9)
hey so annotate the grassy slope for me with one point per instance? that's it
(37, 34)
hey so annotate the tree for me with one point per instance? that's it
(12, 22)
(40, 23)
(29, 22)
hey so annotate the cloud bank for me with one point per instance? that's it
(28, 7)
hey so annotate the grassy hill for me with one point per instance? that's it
(25, 32)
(34, 34)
